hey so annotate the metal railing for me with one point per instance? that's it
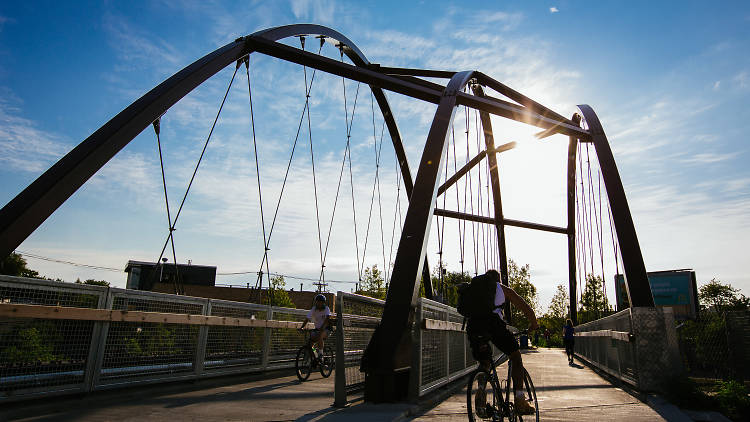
(605, 344)
(58, 338)
(358, 316)
(56, 355)
(441, 348)
(636, 345)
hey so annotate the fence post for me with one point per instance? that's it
(92, 358)
(200, 347)
(101, 345)
(415, 375)
(447, 340)
(266, 341)
(339, 388)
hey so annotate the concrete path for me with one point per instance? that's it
(565, 393)
(237, 398)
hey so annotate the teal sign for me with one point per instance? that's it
(669, 288)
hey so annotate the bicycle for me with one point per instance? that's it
(307, 360)
(499, 401)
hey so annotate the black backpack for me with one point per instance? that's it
(477, 299)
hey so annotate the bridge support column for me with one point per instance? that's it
(657, 352)
(388, 357)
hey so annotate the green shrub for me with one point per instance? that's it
(684, 392)
(733, 399)
(29, 346)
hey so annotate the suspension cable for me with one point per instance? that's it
(195, 171)
(374, 186)
(601, 236)
(257, 170)
(377, 178)
(474, 242)
(395, 215)
(349, 157)
(341, 172)
(157, 129)
(312, 164)
(458, 201)
(308, 89)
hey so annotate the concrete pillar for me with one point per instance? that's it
(656, 349)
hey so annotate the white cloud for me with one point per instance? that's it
(553, 10)
(742, 79)
(314, 10)
(137, 48)
(25, 147)
(709, 158)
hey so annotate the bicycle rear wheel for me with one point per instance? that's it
(483, 398)
(303, 364)
(530, 393)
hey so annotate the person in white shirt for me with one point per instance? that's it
(320, 315)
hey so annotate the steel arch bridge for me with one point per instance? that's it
(385, 359)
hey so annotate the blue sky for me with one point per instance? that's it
(669, 81)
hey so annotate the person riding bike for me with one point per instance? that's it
(320, 315)
(492, 326)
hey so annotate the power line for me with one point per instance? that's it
(288, 276)
(99, 267)
(75, 264)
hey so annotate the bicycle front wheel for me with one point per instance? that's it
(325, 365)
(303, 364)
(483, 397)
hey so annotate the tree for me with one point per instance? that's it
(721, 297)
(372, 284)
(277, 293)
(93, 282)
(451, 279)
(558, 307)
(519, 279)
(15, 265)
(593, 301)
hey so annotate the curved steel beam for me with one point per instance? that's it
(389, 349)
(571, 203)
(30, 208)
(639, 289)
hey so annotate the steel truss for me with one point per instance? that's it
(388, 356)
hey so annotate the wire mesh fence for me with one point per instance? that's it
(358, 316)
(231, 347)
(595, 344)
(73, 354)
(38, 355)
(444, 353)
(716, 345)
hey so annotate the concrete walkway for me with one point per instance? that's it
(236, 398)
(565, 393)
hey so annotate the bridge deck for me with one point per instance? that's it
(565, 394)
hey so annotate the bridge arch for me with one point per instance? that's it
(30, 208)
(27, 211)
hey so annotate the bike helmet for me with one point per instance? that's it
(321, 298)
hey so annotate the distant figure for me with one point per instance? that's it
(569, 339)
